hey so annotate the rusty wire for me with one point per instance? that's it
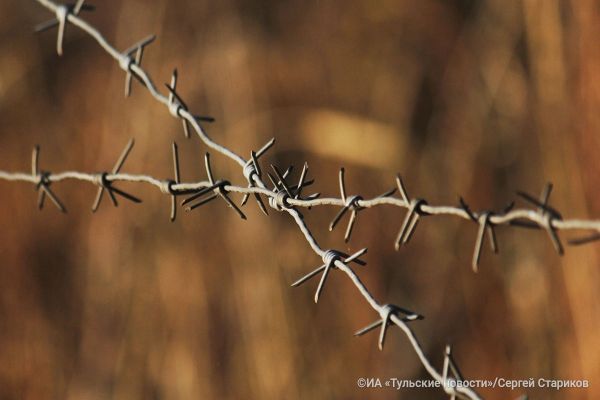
(286, 197)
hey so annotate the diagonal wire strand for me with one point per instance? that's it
(534, 217)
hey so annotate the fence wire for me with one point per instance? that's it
(287, 197)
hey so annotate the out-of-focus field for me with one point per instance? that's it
(471, 98)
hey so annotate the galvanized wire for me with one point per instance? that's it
(286, 197)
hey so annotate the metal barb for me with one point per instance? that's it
(329, 259)
(201, 202)
(252, 169)
(105, 184)
(62, 14)
(483, 219)
(218, 189)
(283, 191)
(301, 180)
(402, 189)
(451, 363)
(342, 185)
(138, 48)
(386, 312)
(548, 213)
(173, 85)
(467, 209)
(265, 148)
(350, 203)
(177, 180)
(410, 221)
(208, 168)
(78, 6)
(281, 179)
(303, 183)
(584, 240)
(542, 204)
(176, 104)
(43, 183)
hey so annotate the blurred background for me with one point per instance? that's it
(471, 98)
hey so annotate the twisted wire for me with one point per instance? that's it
(282, 201)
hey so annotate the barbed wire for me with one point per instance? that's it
(287, 197)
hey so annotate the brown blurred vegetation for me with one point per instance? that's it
(478, 98)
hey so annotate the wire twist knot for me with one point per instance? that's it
(280, 201)
(417, 205)
(220, 186)
(385, 313)
(217, 187)
(104, 184)
(547, 213)
(43, 178)
(249, 171)
(174, 108)
(331, 256)
(42, 182)
(61, 13)
(353, 202)
(125, 62)
(166, 187)
(102, 180)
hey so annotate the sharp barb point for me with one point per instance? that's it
(584, 240)
(308, 276)
(402, 189)
(368, 328)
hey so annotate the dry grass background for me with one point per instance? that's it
(478, 98)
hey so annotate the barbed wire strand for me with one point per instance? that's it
(284, 197)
